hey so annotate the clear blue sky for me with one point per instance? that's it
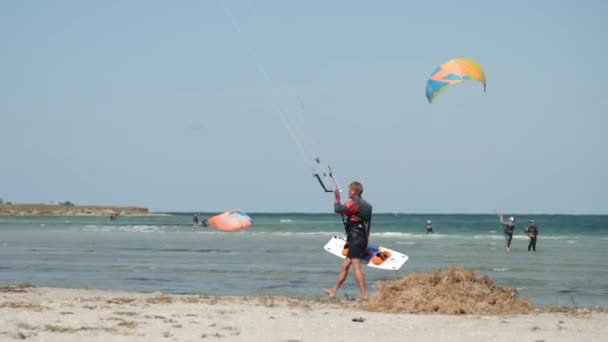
(166, 105)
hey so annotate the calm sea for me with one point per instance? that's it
(282, 254)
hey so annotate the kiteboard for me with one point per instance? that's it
(377, 257)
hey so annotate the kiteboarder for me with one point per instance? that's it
(195, 220)
(429, 227)
(508, 226)
(357, 216)
(532, 231)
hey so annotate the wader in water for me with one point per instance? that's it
(509, 227)
(532, 233)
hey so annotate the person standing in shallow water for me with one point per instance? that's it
(357, 217)
(532, 231)
(509, 227)
(429, 227)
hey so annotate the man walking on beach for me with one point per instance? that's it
(357, 216)
(532, 231)
(509, 227)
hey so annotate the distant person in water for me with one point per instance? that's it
(357, 218)
(532, 231)
(429, 227)
(195, 220)
(509, 227)
(204, 221)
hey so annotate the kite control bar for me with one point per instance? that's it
(337, 187)
(321, 182)
(331, 175)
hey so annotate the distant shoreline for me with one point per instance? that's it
(32, 209)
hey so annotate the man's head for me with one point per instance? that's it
(355, 189)
(511, 219)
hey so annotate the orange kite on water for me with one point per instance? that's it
(234, 219)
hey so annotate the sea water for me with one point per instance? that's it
(282, 254)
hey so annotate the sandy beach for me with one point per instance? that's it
(53, 314)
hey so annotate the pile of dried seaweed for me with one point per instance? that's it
(456, 291)
(23, 287)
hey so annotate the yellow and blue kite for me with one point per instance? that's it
(453, 72)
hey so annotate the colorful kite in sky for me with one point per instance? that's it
(453, 72)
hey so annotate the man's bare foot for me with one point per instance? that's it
(330, 292)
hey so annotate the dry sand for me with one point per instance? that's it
(49, 314)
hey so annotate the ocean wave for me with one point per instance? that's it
(571, 290)
(128, 228)
(285, 220)
(406, 243)
(150, 279)
(282, 233)
(323, 231)
(411, 235)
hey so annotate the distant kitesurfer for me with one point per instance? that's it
(204, 221)
(357, 216)
(429, 227)
(509, 227)
(195, 220)
(532, 231)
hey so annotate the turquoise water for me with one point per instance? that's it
(282, 254)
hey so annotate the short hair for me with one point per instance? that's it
(356, 187)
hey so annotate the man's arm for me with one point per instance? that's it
(348, 208)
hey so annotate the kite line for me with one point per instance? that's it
(287, 117)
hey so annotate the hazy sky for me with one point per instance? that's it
(186, 105)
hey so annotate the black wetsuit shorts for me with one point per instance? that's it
(357, 249)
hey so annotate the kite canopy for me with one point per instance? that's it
(230, 220)
(453, 72)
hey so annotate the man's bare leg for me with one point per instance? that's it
(360, 278)
(341, 277)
